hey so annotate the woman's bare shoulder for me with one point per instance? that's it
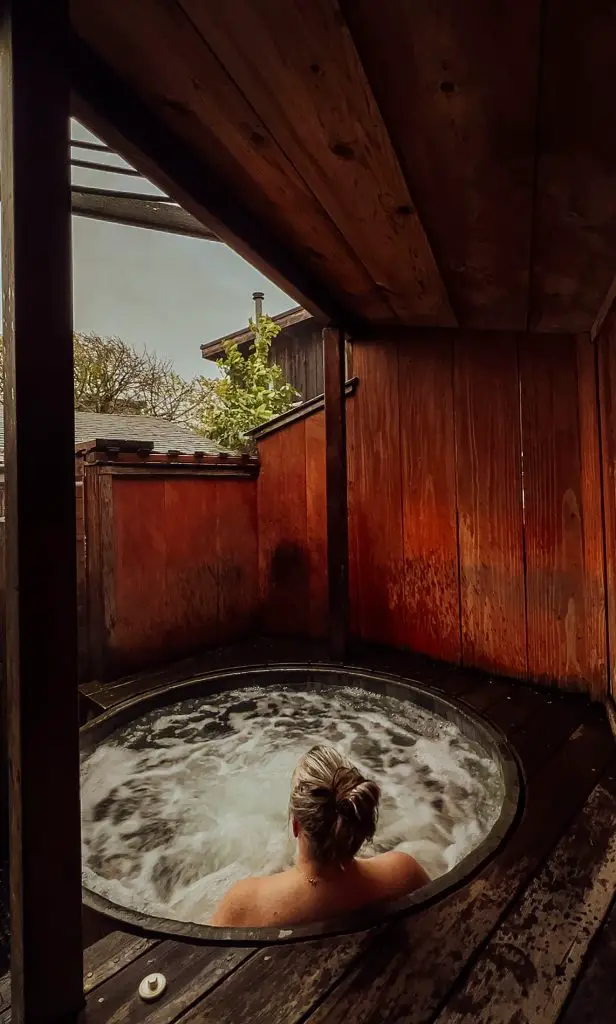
(237, 905)
(398, 871)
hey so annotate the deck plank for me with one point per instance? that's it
(190, 971)
(281, 983)
(110, 955)
(407, 974)
(594, 1001)
(554, 721)
(530, 964)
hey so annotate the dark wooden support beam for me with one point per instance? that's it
(41, 599)
(334, 366)
(115, 113)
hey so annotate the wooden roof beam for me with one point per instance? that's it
(151, 212)
(113, 112)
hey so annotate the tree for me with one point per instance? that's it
(249, 392)
(112, 376)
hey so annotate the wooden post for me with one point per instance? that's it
(41, 657)
(334, 372)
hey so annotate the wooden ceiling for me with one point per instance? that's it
(393, 162)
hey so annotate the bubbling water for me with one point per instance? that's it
(181, 803)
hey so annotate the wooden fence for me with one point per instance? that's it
(171, 562)
(477, 526)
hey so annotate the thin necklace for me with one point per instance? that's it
(311, 881)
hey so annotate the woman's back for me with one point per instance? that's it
(296, 897)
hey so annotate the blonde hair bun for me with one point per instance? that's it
(334, 805)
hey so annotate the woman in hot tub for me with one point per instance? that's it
(333, 811)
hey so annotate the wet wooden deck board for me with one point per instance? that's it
(529, 939)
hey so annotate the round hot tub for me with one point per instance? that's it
(185, 790)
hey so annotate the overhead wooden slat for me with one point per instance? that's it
(155, 50)
(141, 212)
(296, 61)
(575, 216)
(456, 85)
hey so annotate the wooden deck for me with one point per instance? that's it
(531, 938)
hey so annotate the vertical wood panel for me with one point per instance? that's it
(138, 626)
(190, 605)
(172, 566)
(336, 490)
(237, 557)
(41, 584)
(284, 566)
(316, 522)
(607, 395)
(353, 433)
(487, 422)
(593, 520)
(376, 495)
(566, 625)
(431, 586)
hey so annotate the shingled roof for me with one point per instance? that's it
(166, 436)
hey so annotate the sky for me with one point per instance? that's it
(166, 292)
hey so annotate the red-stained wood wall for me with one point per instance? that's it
(476, 524)
(171, 564)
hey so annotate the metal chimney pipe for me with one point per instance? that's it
(258, 301)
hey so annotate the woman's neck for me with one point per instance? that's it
(312, 868)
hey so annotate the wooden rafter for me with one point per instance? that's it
(115, 113)
(333, 133)
(137, 211)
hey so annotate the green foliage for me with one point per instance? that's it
(249, 392)
(113, 377)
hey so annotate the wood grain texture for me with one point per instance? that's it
(353, 427)
(176, 73)
(296, 61)
(189, 602)
(253, 994)
(284, 560)
(565, 582)
(574, 222)
(489, 487)
(431, 587)
(595, 1000)
(409, 972)
(606, 345)
(190, 972)
(536, 953)
(375, 495)
(40, 671)
(237, 558)
(316, 523)
(334, 372)
(139, 578)
(181, 566)
(110, 955)
(462, 121)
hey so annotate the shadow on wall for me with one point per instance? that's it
(288, 592)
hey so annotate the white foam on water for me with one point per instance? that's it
(179, 804)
